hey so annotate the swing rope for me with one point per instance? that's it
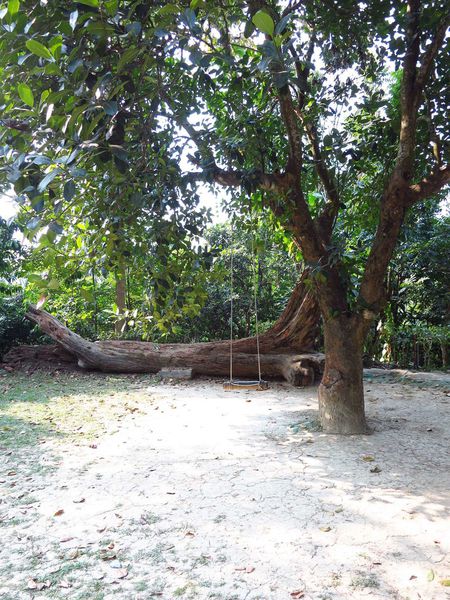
(255, 303)
(231, 303)
(255, 300)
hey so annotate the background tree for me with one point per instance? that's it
(14, 328)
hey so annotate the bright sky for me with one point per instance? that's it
(8, 207)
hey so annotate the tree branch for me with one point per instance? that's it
(271, 182)
(399, 194)
(429, 55)
(429, 186)
(329, 213)
(275, 182)
(403, 169)
(434, 137)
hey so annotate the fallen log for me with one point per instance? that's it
(208, 358)
(51, 353)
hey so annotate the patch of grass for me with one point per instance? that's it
(200, 561)
(307, 424)
(181, 591)
(70, 405)
(148, 518)
(364, 579)
(141, 586)
(219, 518)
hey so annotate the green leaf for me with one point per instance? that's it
(56, 227)
(128, 56)
(39, 49)
(87, 294)
(13, 6)
(69, 190)
(47, 179)
(93, 3)
(112, 7)
(264, 22)
(53, 284)
(25, 93)
(34, 278)
(169, 9)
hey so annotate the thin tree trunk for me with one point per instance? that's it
(94, 291)
(121, 297)
(341, 393)
(444, 354)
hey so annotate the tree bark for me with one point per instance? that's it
(211, 358)
(444, 354)
(341, 393)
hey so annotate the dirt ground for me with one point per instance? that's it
(126, 488)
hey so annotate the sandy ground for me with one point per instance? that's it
(211, 494)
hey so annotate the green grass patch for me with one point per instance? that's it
(68, 406)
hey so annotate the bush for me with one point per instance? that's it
(14, 327)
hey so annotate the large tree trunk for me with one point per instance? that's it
(211, 358)
(341, 393)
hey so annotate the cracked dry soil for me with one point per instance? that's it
(208, 494)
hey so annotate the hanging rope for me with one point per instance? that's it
(231, 303)
(255, 302)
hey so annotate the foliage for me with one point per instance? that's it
(269, 270)
(10, 250)
(14, 327)
(416, 345)
(420, 271)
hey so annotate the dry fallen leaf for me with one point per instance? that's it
(326, 529)
(297, 594)
(189, 534)
(445, 582)
(33, 584)
(106, 554)
(121, 573)
(59, 512)
(368, 458)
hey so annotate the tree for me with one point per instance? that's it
(279, 103)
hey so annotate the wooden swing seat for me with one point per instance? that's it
(236, 384)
